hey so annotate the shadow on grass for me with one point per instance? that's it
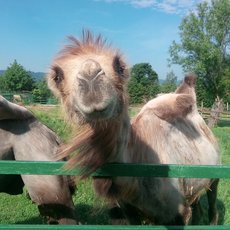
(86, 214)
(32, 220)
(91, 215)
(220, 208)
(223, 123)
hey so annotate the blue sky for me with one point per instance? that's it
(33, 31)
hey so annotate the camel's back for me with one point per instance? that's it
(185, 140)
(182, 141)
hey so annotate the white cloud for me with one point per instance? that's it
(142, 3)
(167, 6)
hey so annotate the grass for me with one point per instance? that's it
(54, 119)
(222, 132)
(89, 208)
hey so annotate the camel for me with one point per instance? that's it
(90, 79)
(17, 99)
(23, 137)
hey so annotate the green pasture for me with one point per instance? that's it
(89, 208)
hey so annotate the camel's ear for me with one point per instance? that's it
(171, 106)
(10, 110)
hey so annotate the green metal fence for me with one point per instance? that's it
(28, 98)
(139, 170)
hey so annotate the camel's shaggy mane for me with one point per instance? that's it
(89, 42)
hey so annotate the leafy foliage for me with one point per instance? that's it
(143, 84)
(170, 83)
(204, 47)
(225, 84)
(41, 91)
(16, 78)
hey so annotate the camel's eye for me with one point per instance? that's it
(119, 66)
(58, 75)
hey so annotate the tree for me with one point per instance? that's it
(41, 91)
(143, 84)
(226, 85)
(16, 78)
(170, 83)
(1, 83)
(204, 46)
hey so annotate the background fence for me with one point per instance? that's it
(27, 98)
(205, 112)
(139, 170)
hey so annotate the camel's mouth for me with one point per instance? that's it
(102, 111)
(98, 115)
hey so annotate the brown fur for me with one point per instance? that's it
(171, 106)
(80, 51)
(188, 85)
(23, 137)
(84, 46)
(88, 143)
(168, 130)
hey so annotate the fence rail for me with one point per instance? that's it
(140, 170)
(111, 227)
(206, 113)
(116, 169)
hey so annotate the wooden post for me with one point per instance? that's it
(216, 110)
(201, 108)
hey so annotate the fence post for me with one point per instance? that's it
(217, 108)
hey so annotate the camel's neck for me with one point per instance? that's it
(99, 143)
(111, 140)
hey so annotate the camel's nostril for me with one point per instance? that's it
(90, 69)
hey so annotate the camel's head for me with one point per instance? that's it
(89, 77)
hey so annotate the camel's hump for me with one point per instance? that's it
(9, 110)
